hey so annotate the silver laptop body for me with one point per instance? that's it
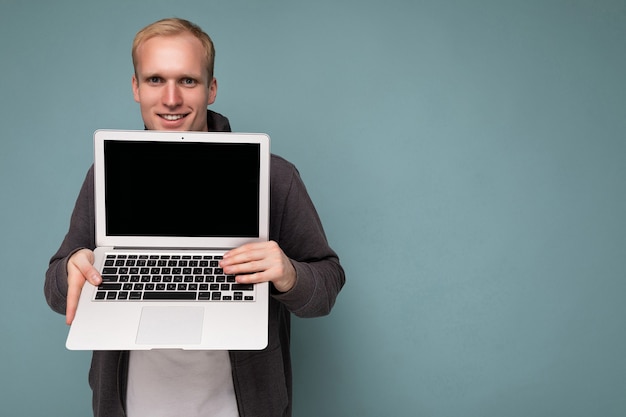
(167, 206)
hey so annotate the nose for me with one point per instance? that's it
(171, 95)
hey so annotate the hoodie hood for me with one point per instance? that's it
(217, 123)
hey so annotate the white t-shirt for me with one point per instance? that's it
(167, 383)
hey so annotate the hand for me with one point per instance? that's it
(260, 262)
(79, 269)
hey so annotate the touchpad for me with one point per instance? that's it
(173, 325)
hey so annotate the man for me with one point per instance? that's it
(173, 84)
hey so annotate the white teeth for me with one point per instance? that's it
(172, 117)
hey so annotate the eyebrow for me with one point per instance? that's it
(196, 77)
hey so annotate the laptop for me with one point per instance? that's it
(168, 205)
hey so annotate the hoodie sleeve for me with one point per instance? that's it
(296, 227)
(81, 234)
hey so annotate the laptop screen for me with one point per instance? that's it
(187, 189)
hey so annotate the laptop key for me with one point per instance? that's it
(242, 287)
(109, 278)
(110, 287)
(169, 295)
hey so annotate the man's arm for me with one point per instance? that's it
(305, 272)
(72, 264)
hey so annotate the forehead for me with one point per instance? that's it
(173, 55)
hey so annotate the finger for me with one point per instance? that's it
(238, 254)
(79, 270)
(252, 278)
(73, 295)
(83, 261)
(251, 252)
(244, 262)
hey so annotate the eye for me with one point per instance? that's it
(189, 82)
(153, 80)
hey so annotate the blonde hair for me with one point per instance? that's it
(171, 27)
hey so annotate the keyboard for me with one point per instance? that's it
(180, 277)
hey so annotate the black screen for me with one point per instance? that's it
(181, 189)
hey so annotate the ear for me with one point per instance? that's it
(212, 91)
(135, 88)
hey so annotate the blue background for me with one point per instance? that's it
(468, 160)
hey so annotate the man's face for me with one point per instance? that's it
(172, 83)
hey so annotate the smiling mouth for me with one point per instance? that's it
(172, 117)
